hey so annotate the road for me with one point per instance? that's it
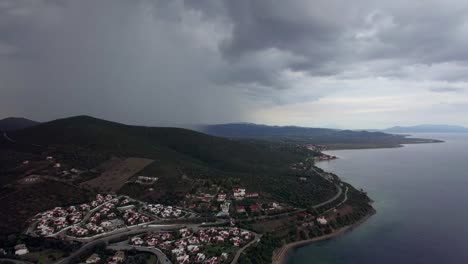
(106, 239)
(6, 260)
(337, 195)
(239, 252)
(342, 202)
(161, 256)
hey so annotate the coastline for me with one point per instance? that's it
(280, 255)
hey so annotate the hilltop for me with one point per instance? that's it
(332, 138)
(15, 123)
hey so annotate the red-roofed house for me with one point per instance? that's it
(240, 209)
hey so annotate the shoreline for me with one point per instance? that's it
(280, 255)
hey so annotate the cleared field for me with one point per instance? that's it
(117, 172)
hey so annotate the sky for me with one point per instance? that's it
(318, 63)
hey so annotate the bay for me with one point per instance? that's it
(421, 197)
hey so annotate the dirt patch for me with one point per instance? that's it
(116, 173)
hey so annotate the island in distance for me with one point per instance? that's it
(82, 189)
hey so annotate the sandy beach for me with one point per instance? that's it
(280, 255)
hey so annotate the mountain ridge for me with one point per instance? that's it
(15, 123)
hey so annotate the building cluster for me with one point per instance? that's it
(324, 157)
(271, 207)
(104, 214)
(118, 257)
(162, 211)
(240, 194)
(59, 218)
(314, 147)
(114, 213)
(191, 247)
(132, 218)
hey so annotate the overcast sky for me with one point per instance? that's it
(346, 64)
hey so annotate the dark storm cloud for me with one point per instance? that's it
(175, 61)
(113, 59)
(332, 36)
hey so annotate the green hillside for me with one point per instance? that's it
(161, 143)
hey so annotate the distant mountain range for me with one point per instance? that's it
(15, 123)
(427, 129)
(334, 138)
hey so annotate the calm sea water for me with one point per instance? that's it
(421, 197)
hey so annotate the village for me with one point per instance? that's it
(105, 214)
(206, 245)
(206, 225)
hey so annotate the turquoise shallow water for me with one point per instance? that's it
(421, 198)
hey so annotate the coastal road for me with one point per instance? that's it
(337, 195)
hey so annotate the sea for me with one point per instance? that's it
(420, 192)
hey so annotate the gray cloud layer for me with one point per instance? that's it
(163, 62)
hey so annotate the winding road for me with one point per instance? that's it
(106, 239)
(161, 256)
(337, 195)
(239, 252)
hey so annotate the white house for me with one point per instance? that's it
(21, 249)
(321, 220)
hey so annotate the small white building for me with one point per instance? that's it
(321, 220)
(21, 249)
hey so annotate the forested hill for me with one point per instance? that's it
(15, 123)
(309, 135)
(162, 143)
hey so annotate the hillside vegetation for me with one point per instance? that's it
(163, 143)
